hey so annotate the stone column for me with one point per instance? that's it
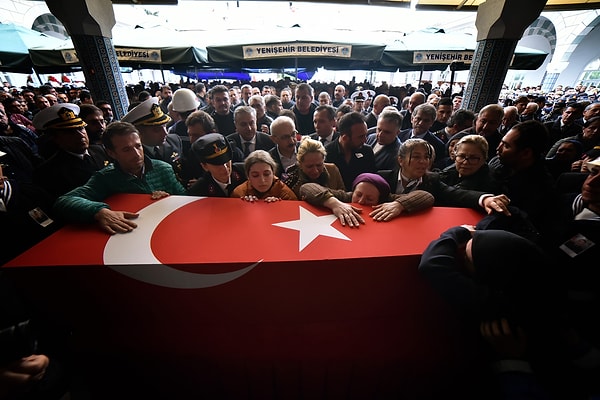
(500, 25)
(89, 23)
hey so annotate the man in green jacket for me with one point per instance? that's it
(131, 172)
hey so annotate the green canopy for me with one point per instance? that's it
(294, 48)
(15, 44)
(154, 48)
(435, 51)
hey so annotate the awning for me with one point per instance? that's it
(435, 51)
(15, 44)
(152, 48)
(294, 48)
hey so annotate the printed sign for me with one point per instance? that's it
(297, 50)
(123, 54)
(440, 57)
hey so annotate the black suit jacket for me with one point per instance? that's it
(63, 171)
(555, 132)
(362, 160)
(316, 136)
(438, 145)
(445, 196)
(263, 142)
(406, 120)
(371, 120)
(387, 157)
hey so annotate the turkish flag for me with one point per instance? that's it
(261, 298)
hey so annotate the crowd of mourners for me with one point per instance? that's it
(526, 276)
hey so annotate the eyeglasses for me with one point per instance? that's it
(288, 137)
(464, 157)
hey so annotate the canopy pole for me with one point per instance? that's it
(38, 76)
(163, 75)
(296, 66)
(421, 74)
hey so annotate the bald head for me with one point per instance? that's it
(415, 99)
(381, 101)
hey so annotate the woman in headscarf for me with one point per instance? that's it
(368, 189)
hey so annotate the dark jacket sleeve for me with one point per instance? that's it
(442, 265)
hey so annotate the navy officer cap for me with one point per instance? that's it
(147, 113)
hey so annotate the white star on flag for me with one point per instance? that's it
(311, 226)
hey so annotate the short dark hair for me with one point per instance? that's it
(344, 109)
(102, 102)
(347, 121)
(445, 101)
(86, 110)
(117, 128)
(203, 118)
(532, 135)
(85, 94)
(218, 89)
(460, 117)
(143, 96)
(330, 110)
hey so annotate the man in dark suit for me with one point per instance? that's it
(246, 137)
(564, 126)
(384, 141)
(520, 169)
(415, 99)
(350, 153)
(443, 113)
(423, 117)
(151, 123)
(221, 176)
(324, 122)
(379, 103)
(487, 124)
(283, 134)
(76, 160)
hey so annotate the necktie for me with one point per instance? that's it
(246, 149)
(157, 152)
(324, 141)
(88, 162)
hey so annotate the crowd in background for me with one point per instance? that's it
(530, 162)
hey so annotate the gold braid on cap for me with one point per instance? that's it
(156, 117)
(66, 119)
(218, 152)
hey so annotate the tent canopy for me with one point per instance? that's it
(436, 50)
(151, 48)
(15, 44)
(294, 48)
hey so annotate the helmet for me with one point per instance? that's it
(184, 100)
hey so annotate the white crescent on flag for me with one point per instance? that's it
(143, 266)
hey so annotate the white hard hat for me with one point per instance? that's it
(184, 100)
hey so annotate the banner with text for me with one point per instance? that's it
(297, 50)
(439, 57)
(123, 54)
